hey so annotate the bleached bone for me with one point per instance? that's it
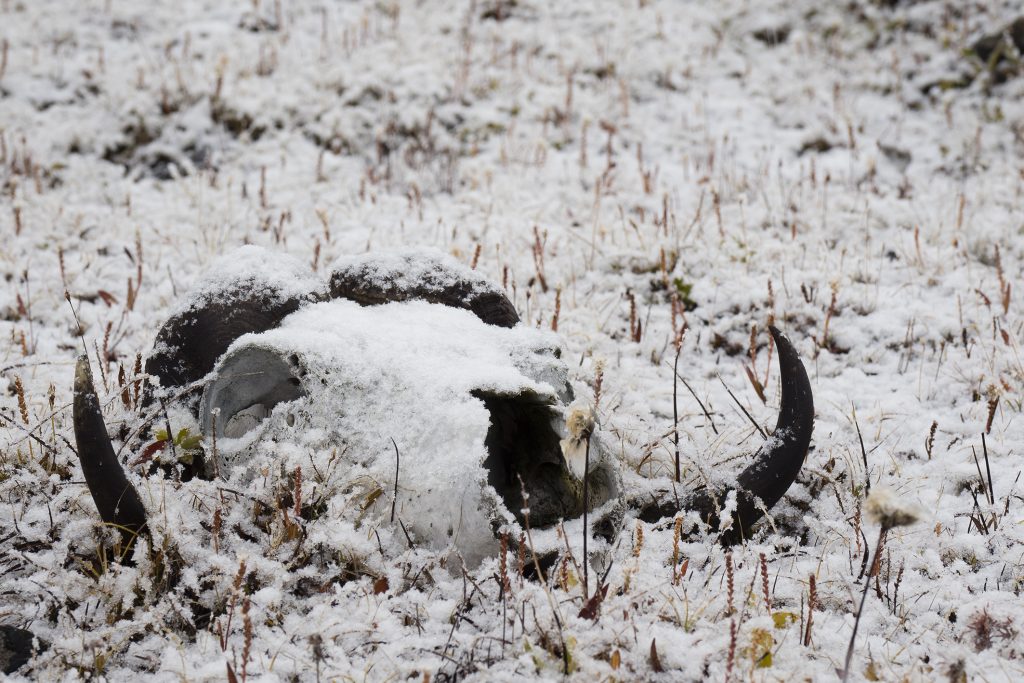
(472, 407)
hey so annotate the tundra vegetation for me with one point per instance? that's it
(657, 185)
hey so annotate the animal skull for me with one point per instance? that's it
(415, 367)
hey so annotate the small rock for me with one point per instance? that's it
(15, 648)
(773, 35)
(986, 46)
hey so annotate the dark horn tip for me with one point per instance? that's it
(116, 500)
(796, 412)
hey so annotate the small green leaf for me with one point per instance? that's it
(685, 290)
(783, 619)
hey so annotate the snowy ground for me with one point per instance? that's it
(845, 169)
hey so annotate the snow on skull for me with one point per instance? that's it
(410, 352)
(472, 408)
(415, 370)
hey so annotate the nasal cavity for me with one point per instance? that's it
(523, 452)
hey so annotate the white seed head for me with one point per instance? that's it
(580, 425)
(580, 421)
(886, 508)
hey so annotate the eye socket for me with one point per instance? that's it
(251, 381)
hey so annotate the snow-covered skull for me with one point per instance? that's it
(415, 370)
(476, 413)
(410, 365)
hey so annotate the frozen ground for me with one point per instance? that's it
(845, 169)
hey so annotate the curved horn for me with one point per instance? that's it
(116, 499)
(190, 342)
(778, 461)
(425, 276)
